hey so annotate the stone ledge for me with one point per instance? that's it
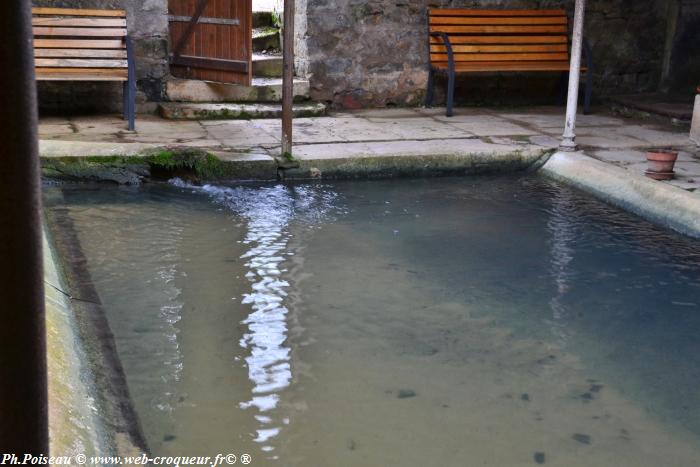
(410, 158)
(657, 202)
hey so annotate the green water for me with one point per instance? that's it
(444, 322)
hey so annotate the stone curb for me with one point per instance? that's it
(132, 164)
(657, 202)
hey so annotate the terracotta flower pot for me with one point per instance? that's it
(661, 160)
(659, 175)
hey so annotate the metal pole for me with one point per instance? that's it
(287, 77)
(23, 393)
(568, 142)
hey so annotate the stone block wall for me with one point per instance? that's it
(147, 22)
(684, 57)
(374, 52)
(359, 53)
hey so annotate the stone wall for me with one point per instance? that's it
(360, 53)
(374, 52)
(684, 60)
(147, 22)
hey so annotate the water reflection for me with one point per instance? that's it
(268, 212)
(563, 233)
(170, 314)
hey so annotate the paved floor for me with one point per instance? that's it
(382, 132)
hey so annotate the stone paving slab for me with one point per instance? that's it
(386, 133)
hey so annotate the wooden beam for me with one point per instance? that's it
(23, 378)
(239, 66)
(287, 77)
(201, 5)
(205, 20)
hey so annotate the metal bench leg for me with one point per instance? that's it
(131, 85)
(450, 91)
(132, 106)
(431, 84)
(125, 100)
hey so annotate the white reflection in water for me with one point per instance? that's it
(169, 315)
(268, 212)
(563, 234)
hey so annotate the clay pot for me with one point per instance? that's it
(661, 160)
(659, 175)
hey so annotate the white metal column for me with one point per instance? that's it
(568, 142)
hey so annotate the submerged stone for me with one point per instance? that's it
(581, 438)
(406, 393)
(539, 457)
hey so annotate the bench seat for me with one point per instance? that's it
(479, 41)
(85, 45)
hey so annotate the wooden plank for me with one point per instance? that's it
(81, 74)
(79, 63)
(499, 20)
(80, 22)
(79, 44)
(484, 57)
(80, 53)
(78, 12)
(205, 20)
(477, 12)
(558, 39)
(239, 66)
(491, 29)
(78, 32)
(507, 66)
(501, 48)
(190, 28)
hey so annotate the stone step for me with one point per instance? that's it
(234, 111)
(263, 19)
(267, 38)
(267, 65)
(261, 90)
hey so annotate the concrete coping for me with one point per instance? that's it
(657, 202)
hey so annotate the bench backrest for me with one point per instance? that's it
(499, 35)
(76, 44)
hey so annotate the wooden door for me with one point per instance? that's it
(211, 40)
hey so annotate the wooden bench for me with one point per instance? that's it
(85, 45)
(472, 41)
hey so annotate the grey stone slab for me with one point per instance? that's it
(413, 128)
(236, 110)
(653, 136)
(491, 126)
(621, 156)
(545, 141)
(52, 148)
(396, 113)
(239, 133)
(50, 130)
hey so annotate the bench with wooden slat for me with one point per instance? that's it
(470, 41)
(85, 45)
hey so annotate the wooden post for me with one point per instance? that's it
(23, 393)
(287, 77)
(568, 142)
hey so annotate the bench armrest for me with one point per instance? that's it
(450, 56)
